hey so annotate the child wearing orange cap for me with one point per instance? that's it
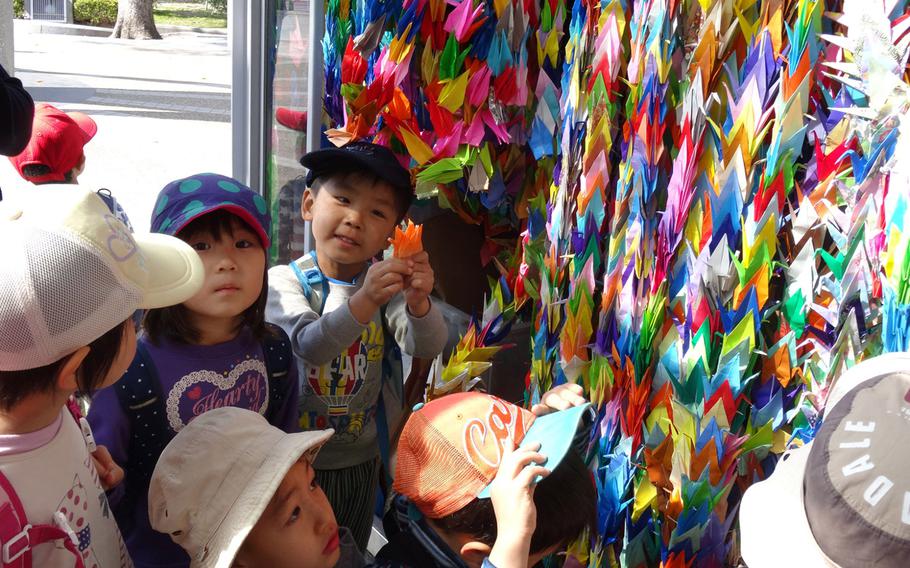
(451, 455)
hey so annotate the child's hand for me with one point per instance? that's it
(383, 280)
(109, 472)
(563, 397)
(419, 284)
(513, 502)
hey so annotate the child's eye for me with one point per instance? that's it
(379, 214)
(314, 484)
(243, 243)
(295, 514)
(342, 199)
(201, 246)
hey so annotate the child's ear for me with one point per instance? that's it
(68, 372)
(78, 169)
(473, 552)
(306, 205)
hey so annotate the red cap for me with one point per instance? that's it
(57, 141)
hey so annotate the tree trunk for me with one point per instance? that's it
(135, 20)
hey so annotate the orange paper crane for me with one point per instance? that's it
(408, 242)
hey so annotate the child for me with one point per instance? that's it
(450, 451)
(213, 350)
(54, 153)
(236, 492)
(73, 276)
(843, 499)
(339, 307)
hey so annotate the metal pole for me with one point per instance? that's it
(315, 88)
(245, 35)
(240, 136)
(7, 41)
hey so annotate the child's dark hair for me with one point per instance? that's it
(173, 322)
(30, 171)
(17, 385)
(565, 500)
(403, 195)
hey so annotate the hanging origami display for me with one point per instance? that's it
(712, 221)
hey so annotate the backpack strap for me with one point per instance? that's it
(74, 410)
(311, 279)
(141, 399)
(18, 537)
(391, 378)
(276, 350)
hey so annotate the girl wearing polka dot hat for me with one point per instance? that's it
(213, 350)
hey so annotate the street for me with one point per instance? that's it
(162, 107)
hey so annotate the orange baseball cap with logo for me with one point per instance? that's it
(450, 449)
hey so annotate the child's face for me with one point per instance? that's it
(234, 265)
(352, 218)
(297, 528)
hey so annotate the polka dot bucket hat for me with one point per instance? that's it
(184, 200)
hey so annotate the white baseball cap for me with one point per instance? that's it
(72, 271)
(216, 477)
(843, 500)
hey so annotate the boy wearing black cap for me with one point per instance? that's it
(346, 313)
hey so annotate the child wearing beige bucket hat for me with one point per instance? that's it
(229, 480)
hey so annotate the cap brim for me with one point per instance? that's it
(772, 510)
(180, 223)
(864, 371)
(554, 432)
(246, 511)
(86, 124)
(328, 160)
(175, 271)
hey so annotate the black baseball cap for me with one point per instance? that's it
(357, 155)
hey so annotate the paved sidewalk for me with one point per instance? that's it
(162, 107)
(44, 27)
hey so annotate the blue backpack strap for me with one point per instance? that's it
(141, 399)
(310, 277)
(276, 349)
(392, 377)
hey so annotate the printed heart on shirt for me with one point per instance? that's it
(194, 393)
(245, 386)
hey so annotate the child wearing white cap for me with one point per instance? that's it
(73, 275)
(235, 491)
(843, 499)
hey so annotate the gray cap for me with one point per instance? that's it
(844, 499)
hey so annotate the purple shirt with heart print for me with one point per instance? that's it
(194, 379)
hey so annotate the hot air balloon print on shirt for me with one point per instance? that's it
(339, 382)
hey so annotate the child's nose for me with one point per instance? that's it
(353, 218)
(325, 524)
(227, 262)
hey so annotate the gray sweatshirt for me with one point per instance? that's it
(340, 360)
